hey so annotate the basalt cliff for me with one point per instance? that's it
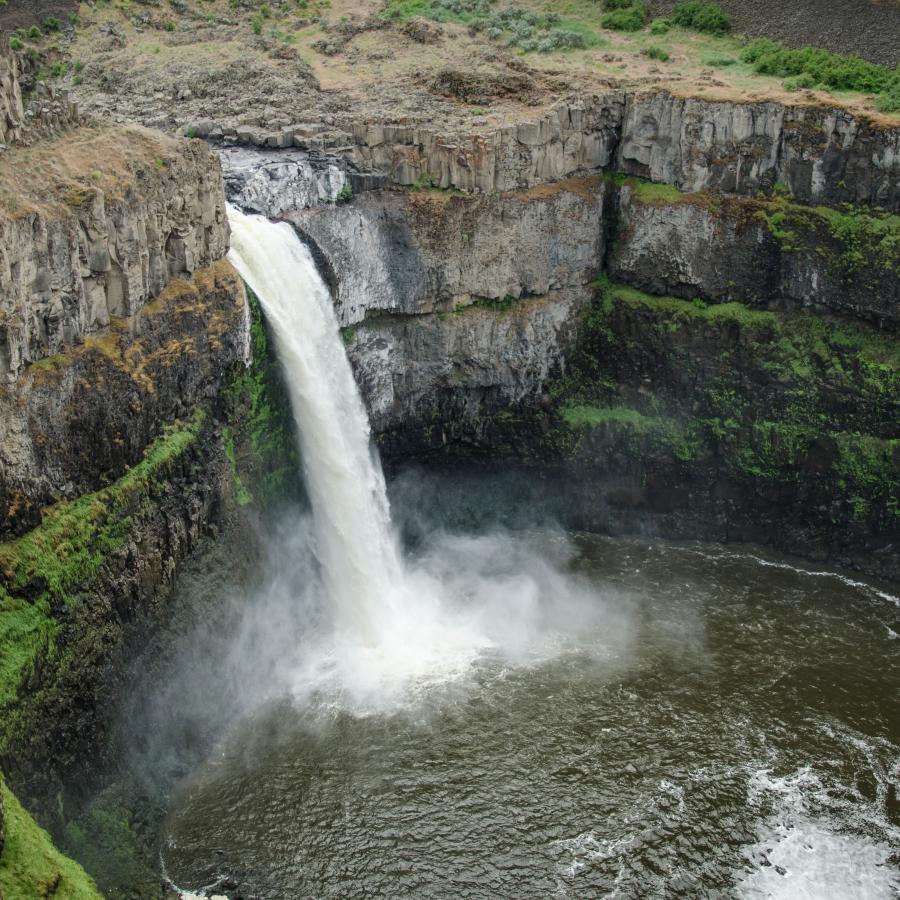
(646, 312)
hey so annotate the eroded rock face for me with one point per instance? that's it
(71, 268)
(458, 303)
(461, 366)
(416, 252)
(12, 112)
(756, 252)
(575, 137)
(822, 155)
(117, 313)
(77, 420)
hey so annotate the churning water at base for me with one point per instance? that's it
(532, 714)
(389, 628)
(742, 740)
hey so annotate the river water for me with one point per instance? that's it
(527, 713)
(729, 727)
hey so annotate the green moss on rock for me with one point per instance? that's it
(30, 866)
(41, 570)
(795, 400)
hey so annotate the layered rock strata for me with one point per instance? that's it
(116, 314)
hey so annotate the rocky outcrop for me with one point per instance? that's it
(821, 155)
(12, 112)
(421, 251)
(759, 252)
(271, 183)
(79, 419)
(117, 313)
(426, 371)
(456, 302)
(74, 261)
(574, 137)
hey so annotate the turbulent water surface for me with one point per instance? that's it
(527, 714)
(728, 726)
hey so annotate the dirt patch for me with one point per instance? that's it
(866, 28)
(482, 87)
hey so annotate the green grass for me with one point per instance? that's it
(30, 866)
(752, 389)
(41, 568)
(591, 416)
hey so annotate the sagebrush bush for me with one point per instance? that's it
(632, 19)
(831, 69)
(705, 17)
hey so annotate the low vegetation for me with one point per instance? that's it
(512, 26)
(30, 866)
(809, 67)
(705, 17)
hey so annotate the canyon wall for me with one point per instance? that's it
(821, 155)
(487, 313)
(118, 313)
(126, 413)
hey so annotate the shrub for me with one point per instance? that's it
(256, 23)
(660, 26)
(610, 5)
(58, 69)
(657, 53)
(632, 19)
(51, 23)
(831, 69)
(560, 39)
(345, 194)
(801, 82)
(15, 43)
(706, 17)
(169, 25)
(889, 100)
(34, 32)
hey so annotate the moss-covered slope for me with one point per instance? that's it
(30, 866)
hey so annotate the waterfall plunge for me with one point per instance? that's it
(354, 542)
(394, 626)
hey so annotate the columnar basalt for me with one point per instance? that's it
(768, 252)
(117, 313)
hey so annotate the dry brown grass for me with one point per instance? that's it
(58, 176)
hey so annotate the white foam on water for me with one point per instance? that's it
(798, 570)
(395, 629)
(805, 851)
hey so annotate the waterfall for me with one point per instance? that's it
(393, 627)
(355, 545)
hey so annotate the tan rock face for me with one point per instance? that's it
(69, 270)
(117, 312)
